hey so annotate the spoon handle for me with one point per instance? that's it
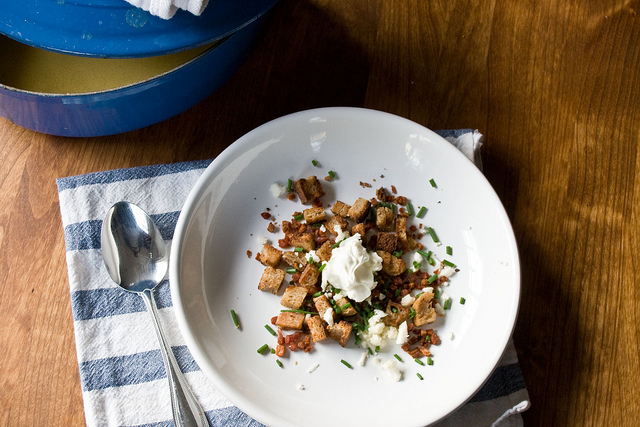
(187, 411)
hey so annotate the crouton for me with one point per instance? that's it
(269, 256)
(324, 252)
(387, 242)
(347, 308)
(359, 228)
(313, 215)
(391, 265)
(293, 297)
(322, 305)
(271, 280)
(360, 209)
(406, 241)
(396, 314)
(425, 313)
(334, 221)
(295, 259)
(309, 189)
(305, 241)
(287, 320)
(309, 276)
(340, 209)
(340, 332)
(385, 219)
(316, 327)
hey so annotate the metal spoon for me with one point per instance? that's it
(136, 259)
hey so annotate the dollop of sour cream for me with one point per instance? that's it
(351, 269)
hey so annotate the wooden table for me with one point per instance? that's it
(553, 85)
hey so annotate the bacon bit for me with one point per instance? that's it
(273, 322)
(291, 196)
(365, 184)
(249, 254)
(280, 350)
(271, 227)
(265, 215)
(393, 189)
(280, 336)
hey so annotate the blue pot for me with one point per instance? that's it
(132, 106)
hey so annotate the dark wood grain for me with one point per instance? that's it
(553, 85)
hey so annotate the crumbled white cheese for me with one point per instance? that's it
(300, 386)
(452, 336)
(328, 316)
(312, 254)
(439, 309)
(447, 271)
(313, 368)
(418, 259)
(403, 333)
(444, 298)
(378, 334)
(363, 358)
(407, 300)
(391, 367)
(277, 190)
(263, 240)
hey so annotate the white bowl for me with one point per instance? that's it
(212, 274)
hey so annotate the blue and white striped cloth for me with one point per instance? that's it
(121, 371)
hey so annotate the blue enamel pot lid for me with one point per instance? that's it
(117, 29)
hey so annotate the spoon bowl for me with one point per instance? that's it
(136, 258)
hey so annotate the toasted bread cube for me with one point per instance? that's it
(316, 327)
(312, 215)
(309, 276)
(406, 241)
(305, 241)
(359, 228)
(324, 253)
(293, 297)
(335, 221)
(424, 312)
(391, 265)
(387, 242)
(360, 209)
(295, 259)
(340, 209)
(269, 256)
(309, 189)
(396, 314)
(287, 320)
(271, 280)
(322, 305)
(347, 308)
(340, 332)
(384, 219)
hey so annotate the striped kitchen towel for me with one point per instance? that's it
(121, 371)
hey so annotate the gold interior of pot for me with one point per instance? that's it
(37, 70)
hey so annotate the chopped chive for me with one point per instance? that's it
(419, 376)
(432, 233)
(412, 314)
(332, 174)
(336, 244)
(263, 349)
(317, 294)
(436, 294)
(462, 300)
(321, 267)
(345, 363)
(273, 351)
(397, 292)
(427, 338)
(449, 263)
(424, 254)
(298, 249)
(419, 362)
(376, 306)
(377, 349)
(433, 183)
(298, 217)
(291, 270)
(397, 357)
(397, 254)
(449, 250)
(432, 279)
(416, 265)
(409, 209)
(346, 306)
(421, 212)
(298, 311)
(289, 185)
(234, 316)
(394, 309)
(279, 362)
(314, 162)
(447, 304)
(429, 361)
(370, 351)
(271, 331)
